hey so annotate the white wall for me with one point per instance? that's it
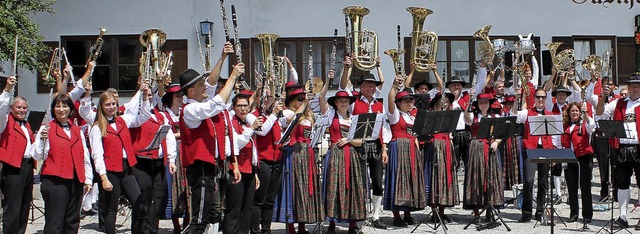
(302, 18)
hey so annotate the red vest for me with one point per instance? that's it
(475, 125)
(143, 135)
(222, 123)
(66, 155)
(246, 152)
(531, 98)
(464, 100)
(13, 142)
(619, 115)
(197, 143)
(399, 129)
(556, 109)
(581, 144)
(359, 107)
(531, 142)
(75, 118)
(267, 144)
(114, 142)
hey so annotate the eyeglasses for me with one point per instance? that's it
(541, 97)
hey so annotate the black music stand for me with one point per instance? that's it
(548, 125)
(429, 123)
(611, 129)
(494, 128)
(422, 101)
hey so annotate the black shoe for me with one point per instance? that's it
(409, 220)
(572, 219)
(399, 223)
(587, 220)
(445, 218)
(378, 224)
(355, 230)
(525, 218)
(622, 223)
(538, 216)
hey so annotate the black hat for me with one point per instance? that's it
(436, 99)
(423, 82)
(456, 79)
(188, 77)
(560, 89)
(634, 78)
(368, 77)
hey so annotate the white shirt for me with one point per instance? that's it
(523, 116)
(394, 117)
(629, 127)
(456, 106)
(574, 97)
(590, 127)
(95, 136)
(196, 112)
(266, 125)
(41, 152)
(5, 99)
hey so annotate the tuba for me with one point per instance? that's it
(150, 59)
(364, 43)
(273, 65)
(424, 44)
(485, 49)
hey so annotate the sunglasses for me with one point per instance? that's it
(300, 99)
(541, 97)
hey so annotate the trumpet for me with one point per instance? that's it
(424, 44)
(96, 49)
(363, 42)
(55, 63)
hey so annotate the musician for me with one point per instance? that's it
(578, 127)
(66, 171)
(344, 183)
(423, 86)
(532, 142)
(199, 146)
(404, 180)
(483, 178)
(371, 151)
(625, 157)
(151, 174)
(531, 76)
(172, 102)
(624, 92)
(510, 149)
(440, 165)
(240, 194)
(270, 162)
(462, 136)
(301, 201)
(115, 160)
(16, 140)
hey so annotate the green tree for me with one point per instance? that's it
(14, 20)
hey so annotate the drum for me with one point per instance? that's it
(499, 46)
(526, 46)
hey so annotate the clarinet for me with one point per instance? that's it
(14, 67)
(332, 64)
(236, 39)
(400, 64)
(347, 38)
(225, 22)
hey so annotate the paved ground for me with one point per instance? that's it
(460, 217)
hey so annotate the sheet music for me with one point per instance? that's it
(158, 138)
(375, 131)
(545, 125)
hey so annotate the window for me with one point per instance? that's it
(584, 46)
(118, 65)
(297, 50)
(456, 56)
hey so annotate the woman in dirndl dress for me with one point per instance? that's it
(404, 179)
(510, 150)
(483, 179)
(300, 199)
(440, 166)
(178, 195)
(344, 186)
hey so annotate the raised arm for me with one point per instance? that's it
(380, 73)
(407, 82)
(322, 95)
(215, 72)
(346, 72)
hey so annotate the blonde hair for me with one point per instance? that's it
(101, 119)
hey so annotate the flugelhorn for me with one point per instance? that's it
(364, 43)
(424, 44)
(96, 50)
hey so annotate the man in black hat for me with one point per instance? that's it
(369, 103)
(625, 157)
(199, 156)
(462, 136)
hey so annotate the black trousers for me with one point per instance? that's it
(270, 175)
(62, 201)
(239, 205)
(580, 173)
(152, 180)
(205, 197)
(603, 149)
(543, 185)
(461, 141)
(17, 186)
(371, 153)
(122, 182)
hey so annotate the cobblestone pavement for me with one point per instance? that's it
(459, 216)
